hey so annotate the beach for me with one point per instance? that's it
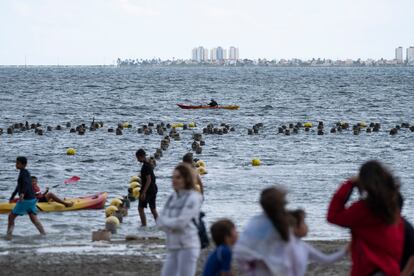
(145, 262)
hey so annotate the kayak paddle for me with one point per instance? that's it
(71, 180)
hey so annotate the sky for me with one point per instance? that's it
(82, 32)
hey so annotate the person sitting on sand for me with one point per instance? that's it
(224, 235)
(304, 251)
(213, 103)
(264, 246)
(47, 196)
(377, 229)
(188, 159)
(27, 199)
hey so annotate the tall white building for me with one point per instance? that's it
(399, 54)
(199, 54)
(213, 54)
(233, 53)
(410, 54)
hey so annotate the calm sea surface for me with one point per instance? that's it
(308, 165)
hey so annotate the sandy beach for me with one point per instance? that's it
(146, 262)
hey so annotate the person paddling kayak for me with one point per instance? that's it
(213, 103)
(47, 196)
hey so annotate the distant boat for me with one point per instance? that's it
(229, 107)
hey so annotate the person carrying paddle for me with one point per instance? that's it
(148, 192)
(213, 103)
(27, 199)
(47, 196)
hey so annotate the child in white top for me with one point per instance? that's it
(305, 252)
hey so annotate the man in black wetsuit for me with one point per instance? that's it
(148, 192)
(213, 103)
(27, 199)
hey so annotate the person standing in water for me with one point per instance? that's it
(148, 192)
(27, 199)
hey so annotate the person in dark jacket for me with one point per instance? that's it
(26, 203)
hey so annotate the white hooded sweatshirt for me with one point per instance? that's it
(176, 219)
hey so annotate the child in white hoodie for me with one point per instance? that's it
(177, 220)
(305, 252)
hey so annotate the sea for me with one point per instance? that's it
(309, 166)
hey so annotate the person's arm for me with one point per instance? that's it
(409, 267)
(200, 182)
(338, 213)
(190, 210)
(147, 184)
(322, 258)
(14, 193)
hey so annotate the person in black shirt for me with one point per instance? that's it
(213, 103)
(27, 199)
(148, 192)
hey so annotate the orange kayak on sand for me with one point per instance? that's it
(229, 107)
(96, 201)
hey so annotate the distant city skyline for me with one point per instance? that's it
(202, 54)
(92, 32)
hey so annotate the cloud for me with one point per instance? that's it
(137, 8)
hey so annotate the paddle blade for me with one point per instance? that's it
(71, 180)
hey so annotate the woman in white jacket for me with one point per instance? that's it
(177, 220)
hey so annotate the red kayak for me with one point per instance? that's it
(229, 107)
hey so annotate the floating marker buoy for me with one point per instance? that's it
(201, 170)
(126, 125)
(256, 162)
(110, 210)
(70, 151)
(201, 163)
(116, 202)
(135, 179)
(135, 192)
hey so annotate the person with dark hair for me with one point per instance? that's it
(149, 189)
(264, 246)
(305, 252)
(224, 235)
(178, 220)
(188, 159)
(47, 196)
(377, 229)
(27, 200)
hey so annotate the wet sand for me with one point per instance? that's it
(146, 263)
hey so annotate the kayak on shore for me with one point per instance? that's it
(96, 201)
(229, 107)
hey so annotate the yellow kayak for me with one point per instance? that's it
(79, 203)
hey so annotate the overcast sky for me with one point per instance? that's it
(99, 31)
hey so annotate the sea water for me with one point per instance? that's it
(308, 165)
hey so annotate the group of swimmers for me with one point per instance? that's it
(382, 241)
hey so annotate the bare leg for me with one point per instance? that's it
(52, 196)
(154, 213)
(142, 216)
(37, 223)
(10, 226)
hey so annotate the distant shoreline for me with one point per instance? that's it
(205, 66)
